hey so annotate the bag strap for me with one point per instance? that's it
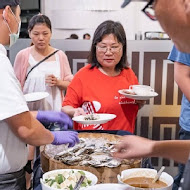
(40, 62)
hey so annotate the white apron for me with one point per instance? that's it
(36, 83)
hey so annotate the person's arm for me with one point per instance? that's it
(29, 130)
(66, 74)
(62, 85)
(138, 147)
(20, 65)
(73, 111)
(177, 150)
(182, 78)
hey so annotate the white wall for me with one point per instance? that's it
(81, 16)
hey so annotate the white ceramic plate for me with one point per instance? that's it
(89, 176)
(137, 97)
(104, 118)
(35, 96)
(109, 186)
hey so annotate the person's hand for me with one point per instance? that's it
(78, 111)
(65, 137)
(51, 80)
(140, 103)
(132, 146)
(60, 118)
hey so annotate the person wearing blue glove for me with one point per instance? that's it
(58, 123)
(18, 126)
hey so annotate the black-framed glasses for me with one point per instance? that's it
(149, 11)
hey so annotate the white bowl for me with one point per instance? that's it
(108, 186)
(145, 172)
(89, 176)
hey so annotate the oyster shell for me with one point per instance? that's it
(94, 152)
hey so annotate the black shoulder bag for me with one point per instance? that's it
(40, 63)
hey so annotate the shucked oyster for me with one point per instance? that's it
(91, 117)
(90, 151)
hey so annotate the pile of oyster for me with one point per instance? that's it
(94, 152)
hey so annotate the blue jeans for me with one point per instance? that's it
(183, 135)
(37, 171)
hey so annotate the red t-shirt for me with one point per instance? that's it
(92, 87)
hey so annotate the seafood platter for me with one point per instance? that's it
(92, 154)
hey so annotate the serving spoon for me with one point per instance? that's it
(158, 174)
(81, 179)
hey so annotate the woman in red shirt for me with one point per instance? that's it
(94, 88)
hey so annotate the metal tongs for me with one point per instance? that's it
(81, 179)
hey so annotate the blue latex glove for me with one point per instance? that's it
(65, 137)
(60, 118)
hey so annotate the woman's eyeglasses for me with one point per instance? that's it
(104, 49)
(149, 11)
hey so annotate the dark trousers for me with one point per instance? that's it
(183, 135)
(13, 181)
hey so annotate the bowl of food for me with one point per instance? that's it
(142, 178)
(66, 179)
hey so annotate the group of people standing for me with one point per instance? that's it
(42, 67)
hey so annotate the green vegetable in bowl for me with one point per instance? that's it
(67, 179)
(59, 178)
(82, 173)
(89, 182)
(71, 187)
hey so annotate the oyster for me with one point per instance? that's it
(70, 160)
(91, 117)
(94, 152)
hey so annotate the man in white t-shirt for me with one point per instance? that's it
(18, 126)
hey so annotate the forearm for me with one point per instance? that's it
(62, 85)
(29, 130)
(68, 110)
(177, 150)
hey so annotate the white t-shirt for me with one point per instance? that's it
(13, 152)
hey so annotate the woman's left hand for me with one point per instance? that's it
(140, 103)
(51, 80)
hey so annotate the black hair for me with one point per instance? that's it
(87, 34)
(74, 36)
(106, 28)
(39, 19)
(11, 3)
